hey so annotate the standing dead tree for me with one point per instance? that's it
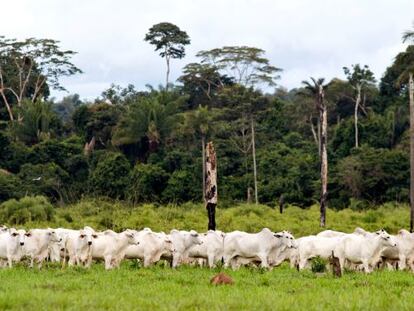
(211, 185)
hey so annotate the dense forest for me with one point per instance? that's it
(147, 145)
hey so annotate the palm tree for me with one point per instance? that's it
(150, 118)
(34, 123)
(408, 35)
(316, 89)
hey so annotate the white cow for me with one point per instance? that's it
(152, 245)
(37, 244)
(255, 246)
(403, 254)
(57, 250)
(11, 245)
(78, 246)
(110, 246)
(331, 234)
(182, 241)
(363, 249)
(316, 246)
(211, 249)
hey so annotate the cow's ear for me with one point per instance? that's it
(277, 235)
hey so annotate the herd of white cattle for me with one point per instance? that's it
(360, 250)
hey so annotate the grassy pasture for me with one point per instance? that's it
(250, 218)
(188, 288)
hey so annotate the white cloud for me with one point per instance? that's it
(304, 37)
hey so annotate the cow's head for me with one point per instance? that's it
(286, 238)
(18, 236)
(53, 236)
(3, 229)
(385, 238)
(87, 236)
(195, 237)
(131, 236)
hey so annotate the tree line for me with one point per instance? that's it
(148, 145)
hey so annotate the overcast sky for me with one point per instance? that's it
(304, 37)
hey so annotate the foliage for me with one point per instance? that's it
(168, 39)
(110, 176)
(147, 183)
(10, 187)
(36, 124)
(27, 209)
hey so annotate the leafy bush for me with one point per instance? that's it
(10, 187)
(26, 209)
(147, 183)
(182, 187)
(44, 179)
(111, 176)
(318, 265)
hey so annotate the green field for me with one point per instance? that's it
(118, 216)
(188, 288)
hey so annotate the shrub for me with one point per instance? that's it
(147, 183)
(318, 265)
(44, 179)
(110, 177)
(182, 187)
(10, 187)
(26, 209)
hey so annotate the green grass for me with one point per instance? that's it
(188, 288)
(117, 216)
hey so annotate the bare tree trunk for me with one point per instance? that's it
(411, 95)
(168, 72)
(357, 103)
(315, 135)
(211, 185)
(319, 136)
(7, 106)
(203, 150)
(254, 162)
(323, 157)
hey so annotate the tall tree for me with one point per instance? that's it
(249, 68)
(198, 122)
(358, 77)
(170, 40)
(316, 89)
(406, 59)
(32, 64)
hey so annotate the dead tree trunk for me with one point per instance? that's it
(254, 162)
(211, 185)
(323, 156)
(411, 95)
(203, 150)
(357, 103)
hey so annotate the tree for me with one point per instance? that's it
(198, 122)
(35, 125)
(408, 35)
(358, 78)
(249, 68)
(316, 89)
(202, 82)
(170, 40)
(246, 65)
(148, 121)
(406, 59)
(32, 65)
